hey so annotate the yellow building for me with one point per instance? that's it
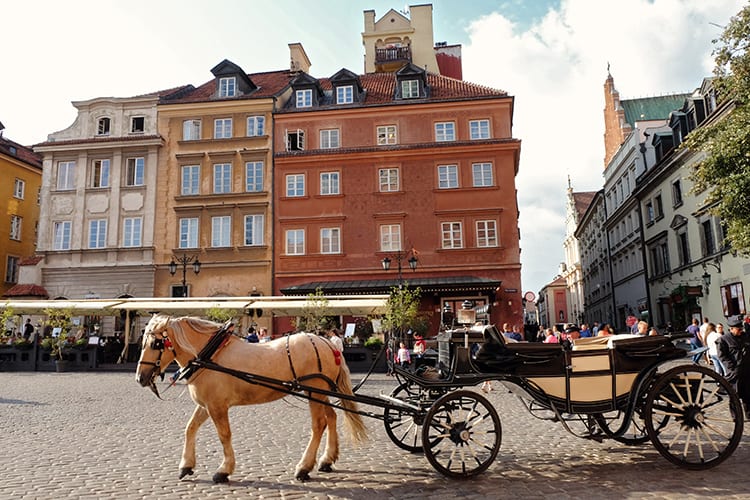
(214, 187)
(20, 181)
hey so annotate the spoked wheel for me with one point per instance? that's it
(404, 428)
(701, 417)
(462, 434)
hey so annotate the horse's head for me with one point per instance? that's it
(157, 352)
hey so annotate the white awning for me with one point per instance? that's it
(78, 307)
(181, 306)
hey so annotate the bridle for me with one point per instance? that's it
(159, 342)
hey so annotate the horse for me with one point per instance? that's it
(298, 357)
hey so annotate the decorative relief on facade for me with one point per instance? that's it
(97, 204)
(62, 205)
(132, 202)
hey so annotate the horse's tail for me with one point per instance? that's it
(353, 422)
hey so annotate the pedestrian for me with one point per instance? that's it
(734, 354)
(695, 340)
(252, 337)
(550, 337)
(585, 332)
(264, 336)
(403, 356)
(642, 328)
(28, 329)
(335, 338)
(712, 338)
(595, 329)
(420, 346)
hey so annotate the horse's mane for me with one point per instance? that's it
(198, 325)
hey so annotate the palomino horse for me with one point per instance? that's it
(289, 359)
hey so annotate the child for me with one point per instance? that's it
(403, 356)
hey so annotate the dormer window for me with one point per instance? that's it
(410, 89)
(227, 87)
(102, 127)
(345, 94)
(137, 125)
(304, 98)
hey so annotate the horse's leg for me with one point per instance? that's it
(318, 421)
(331, 453)
(220, 417)
(187, 463)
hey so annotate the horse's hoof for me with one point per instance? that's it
(325, 468)
(186, 471)
(221, 477)
(302, 475)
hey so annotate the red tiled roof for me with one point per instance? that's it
(23, 153)
(31, 261)
(26, 291)
(582, 201)
(100, 140)
(269, 84)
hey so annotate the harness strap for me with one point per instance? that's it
(214, 344)
(289, 356)
(317, 354)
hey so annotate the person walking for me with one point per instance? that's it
(333, 336)
(713, 335)
(28, 329)
(734, 354)
(695, 340)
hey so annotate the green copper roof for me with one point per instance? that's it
(652, 108)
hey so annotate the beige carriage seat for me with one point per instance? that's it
(594, 343)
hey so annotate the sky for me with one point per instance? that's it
(551, 55)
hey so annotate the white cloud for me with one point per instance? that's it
(556, 70)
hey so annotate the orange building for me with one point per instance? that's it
(20, 181)
(407, 167)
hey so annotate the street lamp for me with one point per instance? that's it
(184, 261)
(400, 256)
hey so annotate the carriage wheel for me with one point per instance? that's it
(635, 434)
(704, 414)
(462, 434)
(405, 428)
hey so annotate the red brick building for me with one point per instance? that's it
(401, 166)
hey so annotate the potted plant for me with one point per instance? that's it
(60, 322)
(315, 314)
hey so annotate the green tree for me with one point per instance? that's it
(724, 172)
(402, 310)
(315, 313)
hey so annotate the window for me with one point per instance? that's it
(344, 94)
(222, 178)
(329, 183)
(329, 139)
(295, 185)
(649, 212)
(131, 232)
(102, 126)
(191, 178)
(61, 236)
(66, 175)
(482, 174)
(134, 172)
(221, 231)
(254, 230)
(19, 188)
(386, 135)
(256, 126)
(137, 124)
(304, 98)
(295, 140)
(683, 247)
(191, 130)
(707, 238)
(223, 128)
(330, 240)
(227, 86)
(11, 269)
(410, 89)
(189, 233)
(733, 299)
(447, 176)
(390, 238)
(445, 131)
(389, 181)
(15, 227)
(254, 176)
(452, 235)
(676, 193)
(295, 242)
(100, 174)
(97, 233)
(658, 207)
(659, 253)
(479, 129)
(486, 233)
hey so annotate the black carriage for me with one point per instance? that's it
(597, 388)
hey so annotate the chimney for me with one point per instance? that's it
(298, 58)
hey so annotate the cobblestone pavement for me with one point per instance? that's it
(100, 435)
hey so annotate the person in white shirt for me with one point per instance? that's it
(713, 334)
(333, 336)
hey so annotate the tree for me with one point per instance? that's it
(402, 310)
(724, 172)
(314, 317)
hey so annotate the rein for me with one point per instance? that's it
(214, 344)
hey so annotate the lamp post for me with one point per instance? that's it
(400, 257)
(184, 261)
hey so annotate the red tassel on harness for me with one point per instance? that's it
(337, 356)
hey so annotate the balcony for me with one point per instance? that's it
(391, 58)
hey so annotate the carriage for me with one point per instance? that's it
(628, 388)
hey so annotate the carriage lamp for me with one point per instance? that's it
(184, 261)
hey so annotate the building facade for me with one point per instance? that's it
(20, 183)
(576, 206)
